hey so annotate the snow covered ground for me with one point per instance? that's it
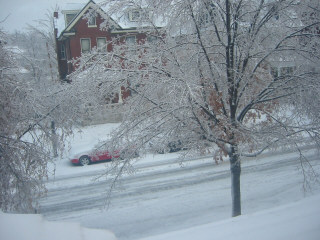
(166, 195)
(295, 221)
(170, 199)
(31, 226)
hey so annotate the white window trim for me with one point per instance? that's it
(65, 12)
(120, 100)
(143, 15)
(105, 42)
(152, 39)
(132, 36)
(131, 18)
(81, 44)
(95, 23)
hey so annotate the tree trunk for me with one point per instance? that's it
(54, 139)
(235, 167)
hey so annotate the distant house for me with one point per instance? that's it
(81, 27)
(78, 30)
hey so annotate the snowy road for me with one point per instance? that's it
(164, 195)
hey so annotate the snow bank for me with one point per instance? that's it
(30, 226)
(295, 221)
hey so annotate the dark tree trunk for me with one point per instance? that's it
(54, 139)
(235, 167)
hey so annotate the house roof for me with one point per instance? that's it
(119, 20)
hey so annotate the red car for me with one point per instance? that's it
(94, 156)
(97, 156)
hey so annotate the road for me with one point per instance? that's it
(168, 195)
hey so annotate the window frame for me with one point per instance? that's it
(90, 24)
(81, 39)
(136, 15)
(151, 39)
(131, 36)
(132, 14)
(69, 17)
(62, 51)
(100, 48)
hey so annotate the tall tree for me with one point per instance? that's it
(37, 111)
(23, 161)
(223, 76)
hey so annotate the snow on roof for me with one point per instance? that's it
(72, 6)
(120, 18)
(60, 22)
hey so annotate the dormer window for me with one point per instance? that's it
(69, 17)
(136, 15)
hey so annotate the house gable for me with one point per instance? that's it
(76, 36)
(91, 5)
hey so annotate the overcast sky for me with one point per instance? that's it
(19, 13)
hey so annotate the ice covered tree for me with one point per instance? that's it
(31, 100)
(23, 163)
(231, 78)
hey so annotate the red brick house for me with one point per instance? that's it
(76, 33)
(78, 29)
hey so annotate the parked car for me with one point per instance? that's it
(97, 156)
(171, 147)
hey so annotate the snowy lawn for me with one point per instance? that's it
(295, 221)
(34, 227)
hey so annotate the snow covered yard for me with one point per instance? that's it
(28, 226)
(294, 221)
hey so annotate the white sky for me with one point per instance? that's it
(19, 13)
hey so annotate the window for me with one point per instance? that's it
(131, 40)
(69, 17)
(136, 15)
(85, 45)
(131, 44)
(62, 52)
(286, 71)
(204, 20)
(152, 39)
(274, 72)
(101, 44)
(92, 21)
(282, 71)
(133, 84)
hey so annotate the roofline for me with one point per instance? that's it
(131, 30)
(91, 3)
